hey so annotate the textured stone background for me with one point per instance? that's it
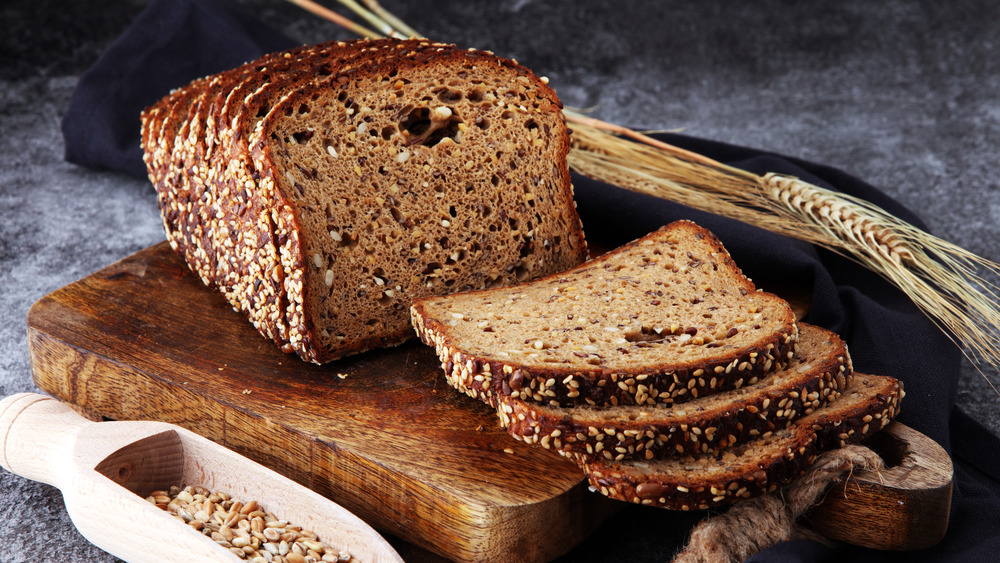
(901, 94)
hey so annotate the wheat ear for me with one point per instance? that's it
(941, 278)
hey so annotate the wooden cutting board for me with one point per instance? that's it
(380, 433)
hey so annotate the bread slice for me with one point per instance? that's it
(662, 320)
(815, 377)
(321, 194)
(705, 481)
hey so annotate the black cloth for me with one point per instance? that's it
(175, 41)
(168, 45)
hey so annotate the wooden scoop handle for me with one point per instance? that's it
(44, 440)
(37, 436)
(106, 469)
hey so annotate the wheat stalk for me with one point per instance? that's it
(386, 24)
(328, 14)
(941, 278)
(393, 22)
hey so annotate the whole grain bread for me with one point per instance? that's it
(817, 374)
(747, 470)
(251, 98)
(662, 320)
(322, 189)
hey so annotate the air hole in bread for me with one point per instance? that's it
(647, 335)
(429, 127)
(416, 122)
(521, 271)
(527, 247)
(449, 95)
(347, 240)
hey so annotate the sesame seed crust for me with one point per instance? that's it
(703, 481)
(256, 278)
(815, 377)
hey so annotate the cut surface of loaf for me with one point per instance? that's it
(815, 377)
(704, 481)
(664, 319)
(322, 189)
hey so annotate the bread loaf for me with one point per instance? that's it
(662, 320)
(322, 189)
(704, 481)
(817, 374)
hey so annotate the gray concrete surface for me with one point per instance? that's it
(902, 94)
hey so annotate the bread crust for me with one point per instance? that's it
(820, 370)
(706, 481)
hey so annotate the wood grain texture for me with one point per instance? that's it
(380, 433)
(105, 471)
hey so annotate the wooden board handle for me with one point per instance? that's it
(902, 507)
(37, 434)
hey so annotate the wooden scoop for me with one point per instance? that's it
(105, 470)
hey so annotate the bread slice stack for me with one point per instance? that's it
(323, 188)
(661, 370)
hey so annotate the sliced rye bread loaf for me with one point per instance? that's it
(662, 320)
(438, 224)
(245, 260)
(817, 374)
(212, 215)
(760, 466)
